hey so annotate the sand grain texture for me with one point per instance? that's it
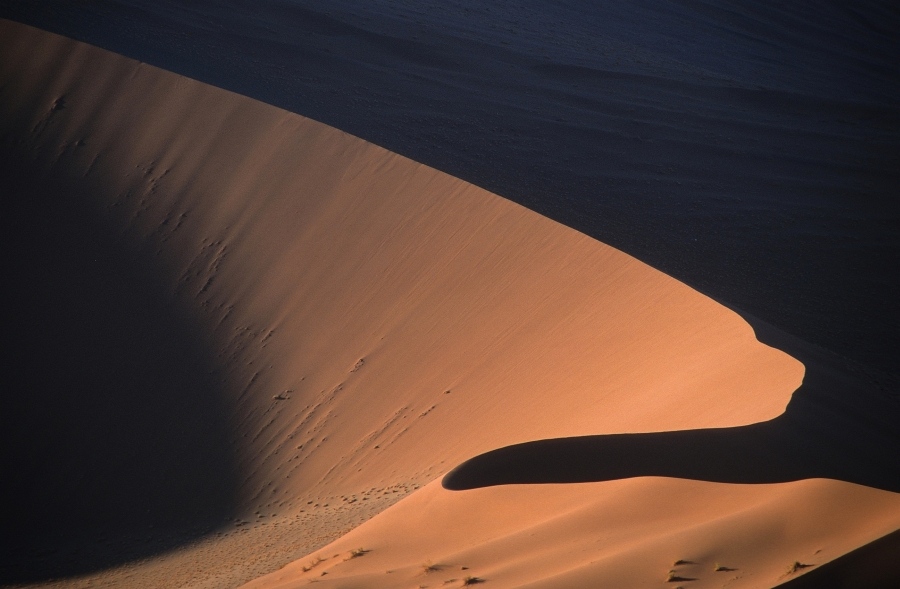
(370, 323)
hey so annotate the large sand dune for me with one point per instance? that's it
(748, 149)
(272, 330)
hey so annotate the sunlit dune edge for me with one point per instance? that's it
(377, 322)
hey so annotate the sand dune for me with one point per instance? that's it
(625, 533)
(748, 150)
(346, 327)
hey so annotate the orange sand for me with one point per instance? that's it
(382, 322)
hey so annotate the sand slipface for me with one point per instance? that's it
(372, 323)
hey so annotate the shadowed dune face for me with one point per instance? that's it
(872, 566)
(115, 434)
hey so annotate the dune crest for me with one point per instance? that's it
(376, 322)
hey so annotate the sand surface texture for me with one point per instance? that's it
(244, 333)
(750, 150)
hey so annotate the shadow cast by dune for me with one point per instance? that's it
(114, 435)
(873, 566)
(837, 426)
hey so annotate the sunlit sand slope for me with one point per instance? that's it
(371, 322)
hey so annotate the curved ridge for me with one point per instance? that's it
(834, 427)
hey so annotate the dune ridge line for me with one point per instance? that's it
(373, 322)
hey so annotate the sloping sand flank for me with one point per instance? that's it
(627, 533)
(374, 322)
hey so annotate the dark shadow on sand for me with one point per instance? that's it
(837, 426)
(114, 433)
(873, 566)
